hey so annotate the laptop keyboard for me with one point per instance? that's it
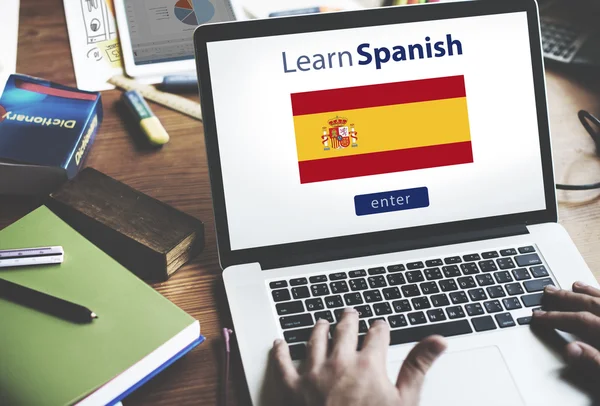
(461, 294)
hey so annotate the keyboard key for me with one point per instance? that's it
(415, 265)
(318, 279)
(339, 287)
(313, 304)
(470, 268)
(471, 257)
(324, 315)
(514, 289)
(414, 334)
(488, 266)
(300, 292)
(298, 352)
(278, 284)
(336, 301)
(414, 276)
(528, 260)
(537, 285)
(372, 296)
(281, 295)
(377, 271)
(417, 318)
(451, 271)
(420, 303)
(338, 313)
(448, 285)
(493, 306)
(300, 320)
(289, 308)
(396, 268)
(521, 274)
(505, 263)
(433, 274)
(340, 275)
(485, 279)
(320, 289)
(353, 299)
(362, 327)
(397, 321)
(298, 281)
(526, 250)
(477, 294)
(495, 292)
(364, 311)
(524, 320)
(439, 300)
(490, 255)
(539, 271)
(372, 321)
(396, 279)
(452, 260)
(410, 290)
(466, 282)
(455, 312)
(511, 303)
(401, 306)
(484, 323)
(356, 274)
(503, 277)
(532, 300)
(391, 293)
(458, 297)
(296, 336)
(429, 288)
(377, 282)
(509, 252)
(436, 315)
(505, 320)
(474, 309)
(382, 308)
(434, 262)
(358, 284)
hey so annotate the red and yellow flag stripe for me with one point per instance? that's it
(400, 126)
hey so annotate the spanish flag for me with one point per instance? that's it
(391, 127)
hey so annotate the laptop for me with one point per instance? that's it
(398, 161)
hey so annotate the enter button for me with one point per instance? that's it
(395, 200)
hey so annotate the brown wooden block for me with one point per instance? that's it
(150, 238)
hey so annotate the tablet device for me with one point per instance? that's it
(157, 35)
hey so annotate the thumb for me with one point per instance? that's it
(415, 366)
(583, 355)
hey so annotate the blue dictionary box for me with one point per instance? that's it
(46, 131)
(395, 200)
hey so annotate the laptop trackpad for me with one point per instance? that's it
(469, 378)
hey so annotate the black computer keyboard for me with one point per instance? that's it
(561, 40)
(461, 294)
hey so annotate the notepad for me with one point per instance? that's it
(49, 361)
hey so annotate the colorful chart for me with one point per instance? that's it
(194, 12)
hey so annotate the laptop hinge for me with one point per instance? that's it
(395, 246)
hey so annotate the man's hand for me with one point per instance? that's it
(347, 377)
(576, 312)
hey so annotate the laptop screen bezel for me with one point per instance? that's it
(355, 19)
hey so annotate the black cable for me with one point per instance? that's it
(587, 120)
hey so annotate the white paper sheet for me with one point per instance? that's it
(9, 32)
(94, 42)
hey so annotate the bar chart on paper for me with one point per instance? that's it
(194, 12)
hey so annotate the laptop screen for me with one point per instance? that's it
(353, 131)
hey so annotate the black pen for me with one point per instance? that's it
(45, 303)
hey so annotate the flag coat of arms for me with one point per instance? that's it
(386, 128)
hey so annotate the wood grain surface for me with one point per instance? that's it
(177, 175)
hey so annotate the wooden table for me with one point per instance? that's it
(177, 174)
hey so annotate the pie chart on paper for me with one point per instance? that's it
(194, 12)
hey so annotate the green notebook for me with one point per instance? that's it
(45, 360)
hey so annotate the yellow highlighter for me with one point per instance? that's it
(152, 128)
